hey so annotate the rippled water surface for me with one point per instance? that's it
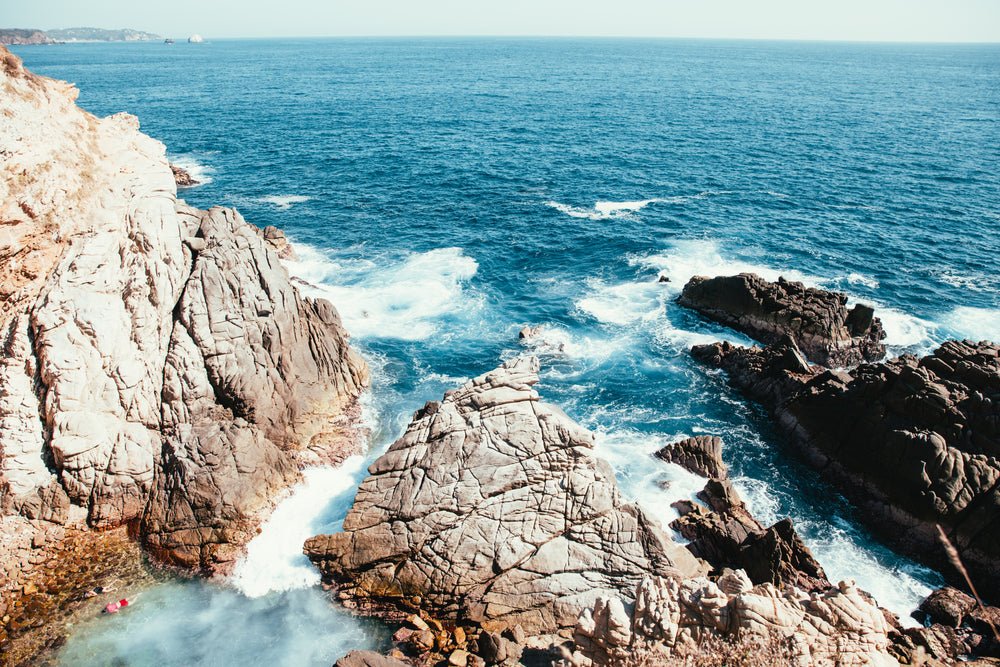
(445, 193)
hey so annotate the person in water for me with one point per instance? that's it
(97, 591)
(113, 607)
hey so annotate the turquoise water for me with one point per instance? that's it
(445, 193)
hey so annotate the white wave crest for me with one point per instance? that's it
(407, 298)
(192, 164)
(861, 279)
(274, 560)
(284, 202)
(622, 303)
(603, 210)
(975, 324)
(688, 258)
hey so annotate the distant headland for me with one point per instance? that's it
(18, 36)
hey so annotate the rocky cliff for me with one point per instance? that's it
(159, 368)
(24, 36)
(492, 508)
(819, 321)
(914, 442)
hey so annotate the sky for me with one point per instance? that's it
(864, 20)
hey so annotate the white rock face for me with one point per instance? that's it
(96, 256)
(671, 618)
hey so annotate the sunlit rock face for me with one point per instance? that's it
(142, 337)
(493, 508)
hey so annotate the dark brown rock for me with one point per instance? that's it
(701, 455)
(819, 321)
(182, 177)
(914, 442)
(947, 606)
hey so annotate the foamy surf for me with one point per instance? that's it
(193, 165)
(274, 560)
(604, 210)
(407, 298)
(283, 202)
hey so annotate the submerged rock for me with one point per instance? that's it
(914, 442)
(492, 508)
(819, 321)
(182, 178)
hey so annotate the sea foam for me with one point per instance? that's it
(274, 560)
(408, 298)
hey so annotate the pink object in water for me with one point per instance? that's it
(113, 607)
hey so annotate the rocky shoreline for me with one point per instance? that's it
(164, 382)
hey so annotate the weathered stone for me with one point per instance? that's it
(819, 321)
(669, 617)
(151, 350)
(492, 508)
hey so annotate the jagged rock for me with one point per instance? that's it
(727, 535)
(701, 455)
(530, 332)
(493, 508)
(819, 321)
(946, 605)
(182, 178)
(670, 618)
(148, 346)
(914, 442)
(368, 659)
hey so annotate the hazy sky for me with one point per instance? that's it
(889, 20)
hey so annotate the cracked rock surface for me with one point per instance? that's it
(493, 508)
(819, 321)
(151, 350)
(669, 618)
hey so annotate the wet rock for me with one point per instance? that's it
(819, 321)
(182, 178)
(701, 455)
(492, 507)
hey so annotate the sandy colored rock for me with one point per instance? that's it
(151, 350)
(670, 618)
(492, 508)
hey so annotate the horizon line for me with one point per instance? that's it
(840, 40)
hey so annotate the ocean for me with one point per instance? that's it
(445, 193)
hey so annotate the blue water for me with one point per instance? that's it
(445, 193)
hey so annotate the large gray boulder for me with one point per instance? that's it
(493, 508)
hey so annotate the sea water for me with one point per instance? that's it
(444, 193)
